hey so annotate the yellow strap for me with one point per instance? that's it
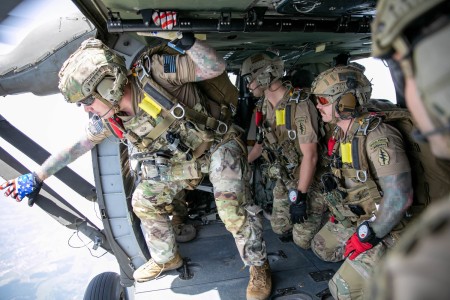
(346, 152)
(280, 117)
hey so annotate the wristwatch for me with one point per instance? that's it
(296, 197)
(366, 234)
(293, 196)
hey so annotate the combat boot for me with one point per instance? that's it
(151, 269)
(260, 283)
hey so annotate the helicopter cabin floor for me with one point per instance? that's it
(214, 270)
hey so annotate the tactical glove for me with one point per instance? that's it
(298, 206)
(184, 42)
(25, 186)
(166, 19)
(362, 240)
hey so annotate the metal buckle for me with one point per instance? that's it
(177, 111)
(292, 134)
(141, 66)
(367, 122)
(222, 128)
(295, 96)
(364, 175)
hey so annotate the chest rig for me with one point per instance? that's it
(170, 139)
(279, 135)
(349, 162)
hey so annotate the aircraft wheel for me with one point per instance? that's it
(105, 286)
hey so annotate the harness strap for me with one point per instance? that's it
(159, 129)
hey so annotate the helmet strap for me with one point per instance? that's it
(112, 105)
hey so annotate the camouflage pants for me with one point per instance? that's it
(229, 174)
(281, 222)
(350, 280)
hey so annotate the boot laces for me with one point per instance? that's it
(259, 276)
(152, 264)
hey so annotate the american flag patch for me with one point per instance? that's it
(95, 125)
(169, 63)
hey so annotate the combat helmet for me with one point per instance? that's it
(418, 31)
(93, 71)
(345, 86)
(264, 67)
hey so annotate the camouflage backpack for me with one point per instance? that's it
(430, 178)
(220, 90)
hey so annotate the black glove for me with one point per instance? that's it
(298, 206)
(184, 43)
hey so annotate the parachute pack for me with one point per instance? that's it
(219, 89)
(430, 178)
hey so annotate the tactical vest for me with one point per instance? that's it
(430, 178)
(169, 136)
(281, 149)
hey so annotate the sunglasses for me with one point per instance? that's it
(323, 100)
(87, 101)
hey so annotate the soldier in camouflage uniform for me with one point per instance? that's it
(288, 139)
(175, 145)
(366, 204)
(414, 37)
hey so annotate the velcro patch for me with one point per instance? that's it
(381, 142)
(95, 125)
(170, 65)
(383, 157)
(301, 125)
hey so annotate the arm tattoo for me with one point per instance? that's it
(397, 197)
(61, 159)
(207, 64)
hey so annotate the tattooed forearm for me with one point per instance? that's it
(207, 63)
(61, 159)
(397, 197)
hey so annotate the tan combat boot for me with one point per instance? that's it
(260, 283)
(150, 270)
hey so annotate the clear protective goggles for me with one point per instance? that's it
(248, 78)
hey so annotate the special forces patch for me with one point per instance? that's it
(170, 65)
(301, 125)
(95, 125)
(379, 143)
(383, 157)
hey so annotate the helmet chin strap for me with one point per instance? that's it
(112, 106)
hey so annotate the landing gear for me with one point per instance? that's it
(105, 286)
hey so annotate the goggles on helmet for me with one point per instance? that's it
(329, 99)
(248, 78)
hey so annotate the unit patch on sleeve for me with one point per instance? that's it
(379, 143)
(383, 157)
(170, 65)
(301, 125)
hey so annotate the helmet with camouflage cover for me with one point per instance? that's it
(392, 18)
(264, 67)
(418, 32)
(93, 70)
(346, 86)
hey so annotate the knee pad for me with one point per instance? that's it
(347, 283)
